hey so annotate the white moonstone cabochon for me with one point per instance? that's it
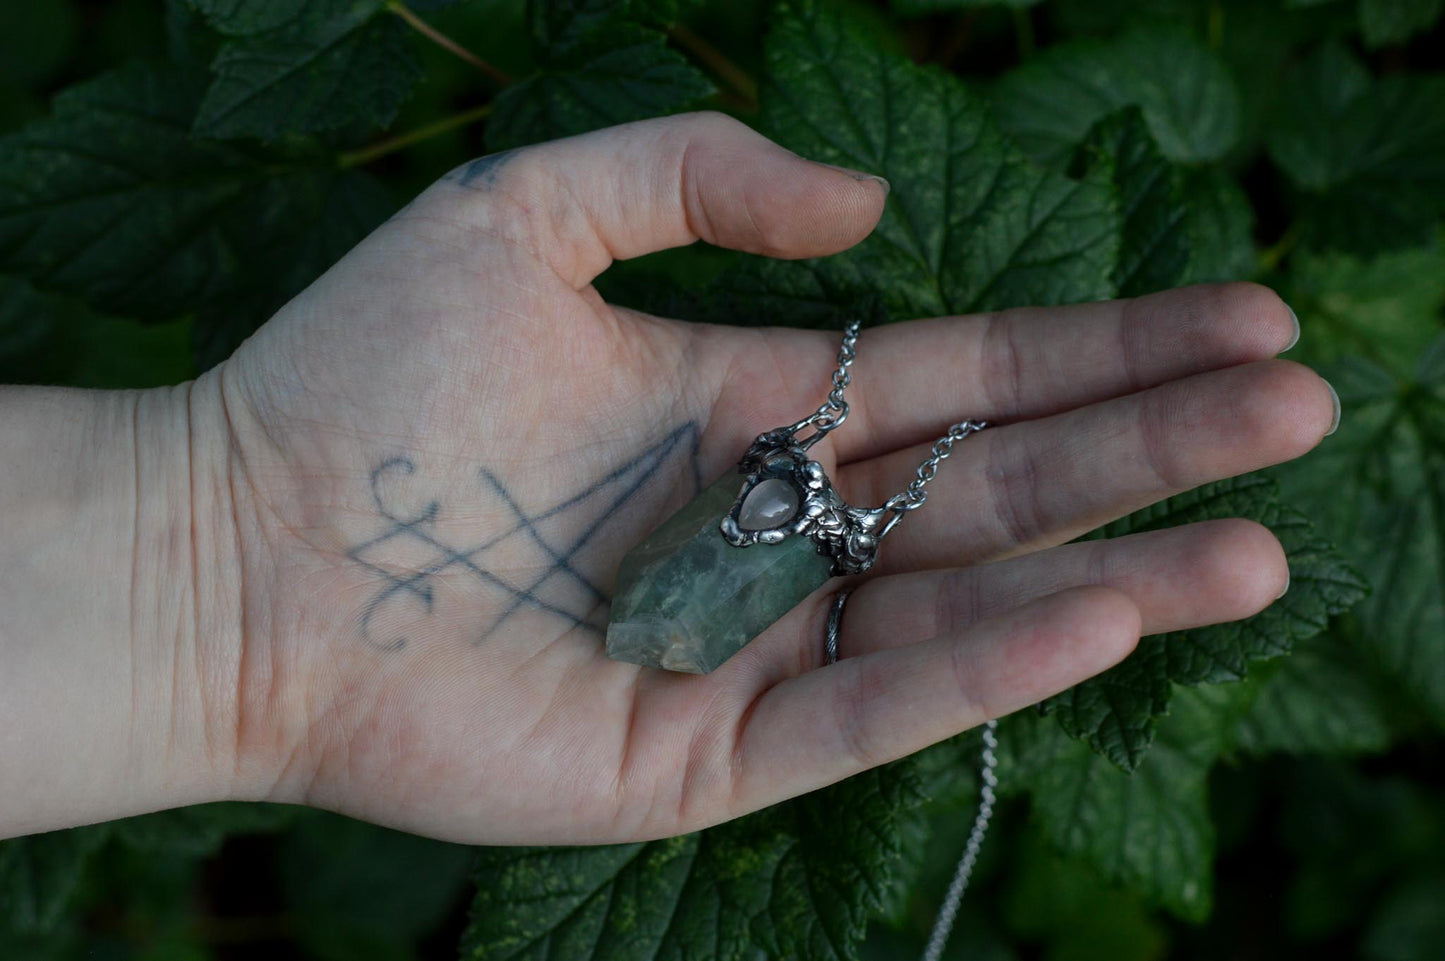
(770, 504)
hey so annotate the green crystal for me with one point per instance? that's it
(687, 600)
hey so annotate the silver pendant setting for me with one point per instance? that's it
(848, 535)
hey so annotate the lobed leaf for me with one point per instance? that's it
(1115, 711)
(1220, 221)
(622, 72)
(918, 8)
(1320, 700)
(1395, 21)
(798, 881)
(1367, 156)
(1148, 830)
(289, 68)
(971, 223)
(39, 874)
(1155, 250)
(604, 62)
(199, 830)
(112, 199)
(1186, 93)
(1378, 484)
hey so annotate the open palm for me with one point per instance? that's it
(441, 451)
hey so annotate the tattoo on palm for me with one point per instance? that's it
(408, 554)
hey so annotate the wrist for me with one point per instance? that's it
(117, 619)
(186, 598)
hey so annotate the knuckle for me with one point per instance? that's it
(1002, 361)
(966, 681)
(1170, 414)
(850, 706)
(957, 602)
(1014, 489)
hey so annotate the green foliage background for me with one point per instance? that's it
(171, 173)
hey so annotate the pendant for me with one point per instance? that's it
(728, 565)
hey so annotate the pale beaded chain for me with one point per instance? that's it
(988, 782)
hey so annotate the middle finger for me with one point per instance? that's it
(1021, 487)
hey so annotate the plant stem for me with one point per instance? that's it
(1024, 29)
(366, 155)
(718, 62)
(445, 42)
(1270, 257)
(1216, 25)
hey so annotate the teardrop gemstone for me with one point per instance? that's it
(769, 504)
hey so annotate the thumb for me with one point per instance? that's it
(641, 187)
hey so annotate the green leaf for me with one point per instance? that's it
(1060, 901)
(1395, 21)
(1378, 484)
(112, 200)
(1186, 93)
(1319, 700)
(918, 8)
(1367, 156)
(39, 874)
(971, 223)
(618, 73)
(292, 67)
(32, 325)
(797, 881)
(1409, 925)
(1387, 308)
(361, 891)
(559, 27)
(340, 210)
(1156, 239)
(1148, 831)
(1115, 711)
(1220, 221)
(199, 830)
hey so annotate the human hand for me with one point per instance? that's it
(440, 451)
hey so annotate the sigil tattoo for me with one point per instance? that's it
(543, 547)
(482, 172)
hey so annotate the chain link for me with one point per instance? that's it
(913, 498)
(827, 417)
(834, 411)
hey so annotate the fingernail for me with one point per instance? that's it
(1285, 591)
(1295, 318)
(1335, 422)
(861, 176)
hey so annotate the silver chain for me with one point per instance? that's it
(833, 411)
(827, 417)
(913, 498)
(988, 785)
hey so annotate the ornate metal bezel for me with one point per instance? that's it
(849, 535)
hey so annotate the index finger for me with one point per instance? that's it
(912, 379)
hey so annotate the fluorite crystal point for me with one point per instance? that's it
(687, 600)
